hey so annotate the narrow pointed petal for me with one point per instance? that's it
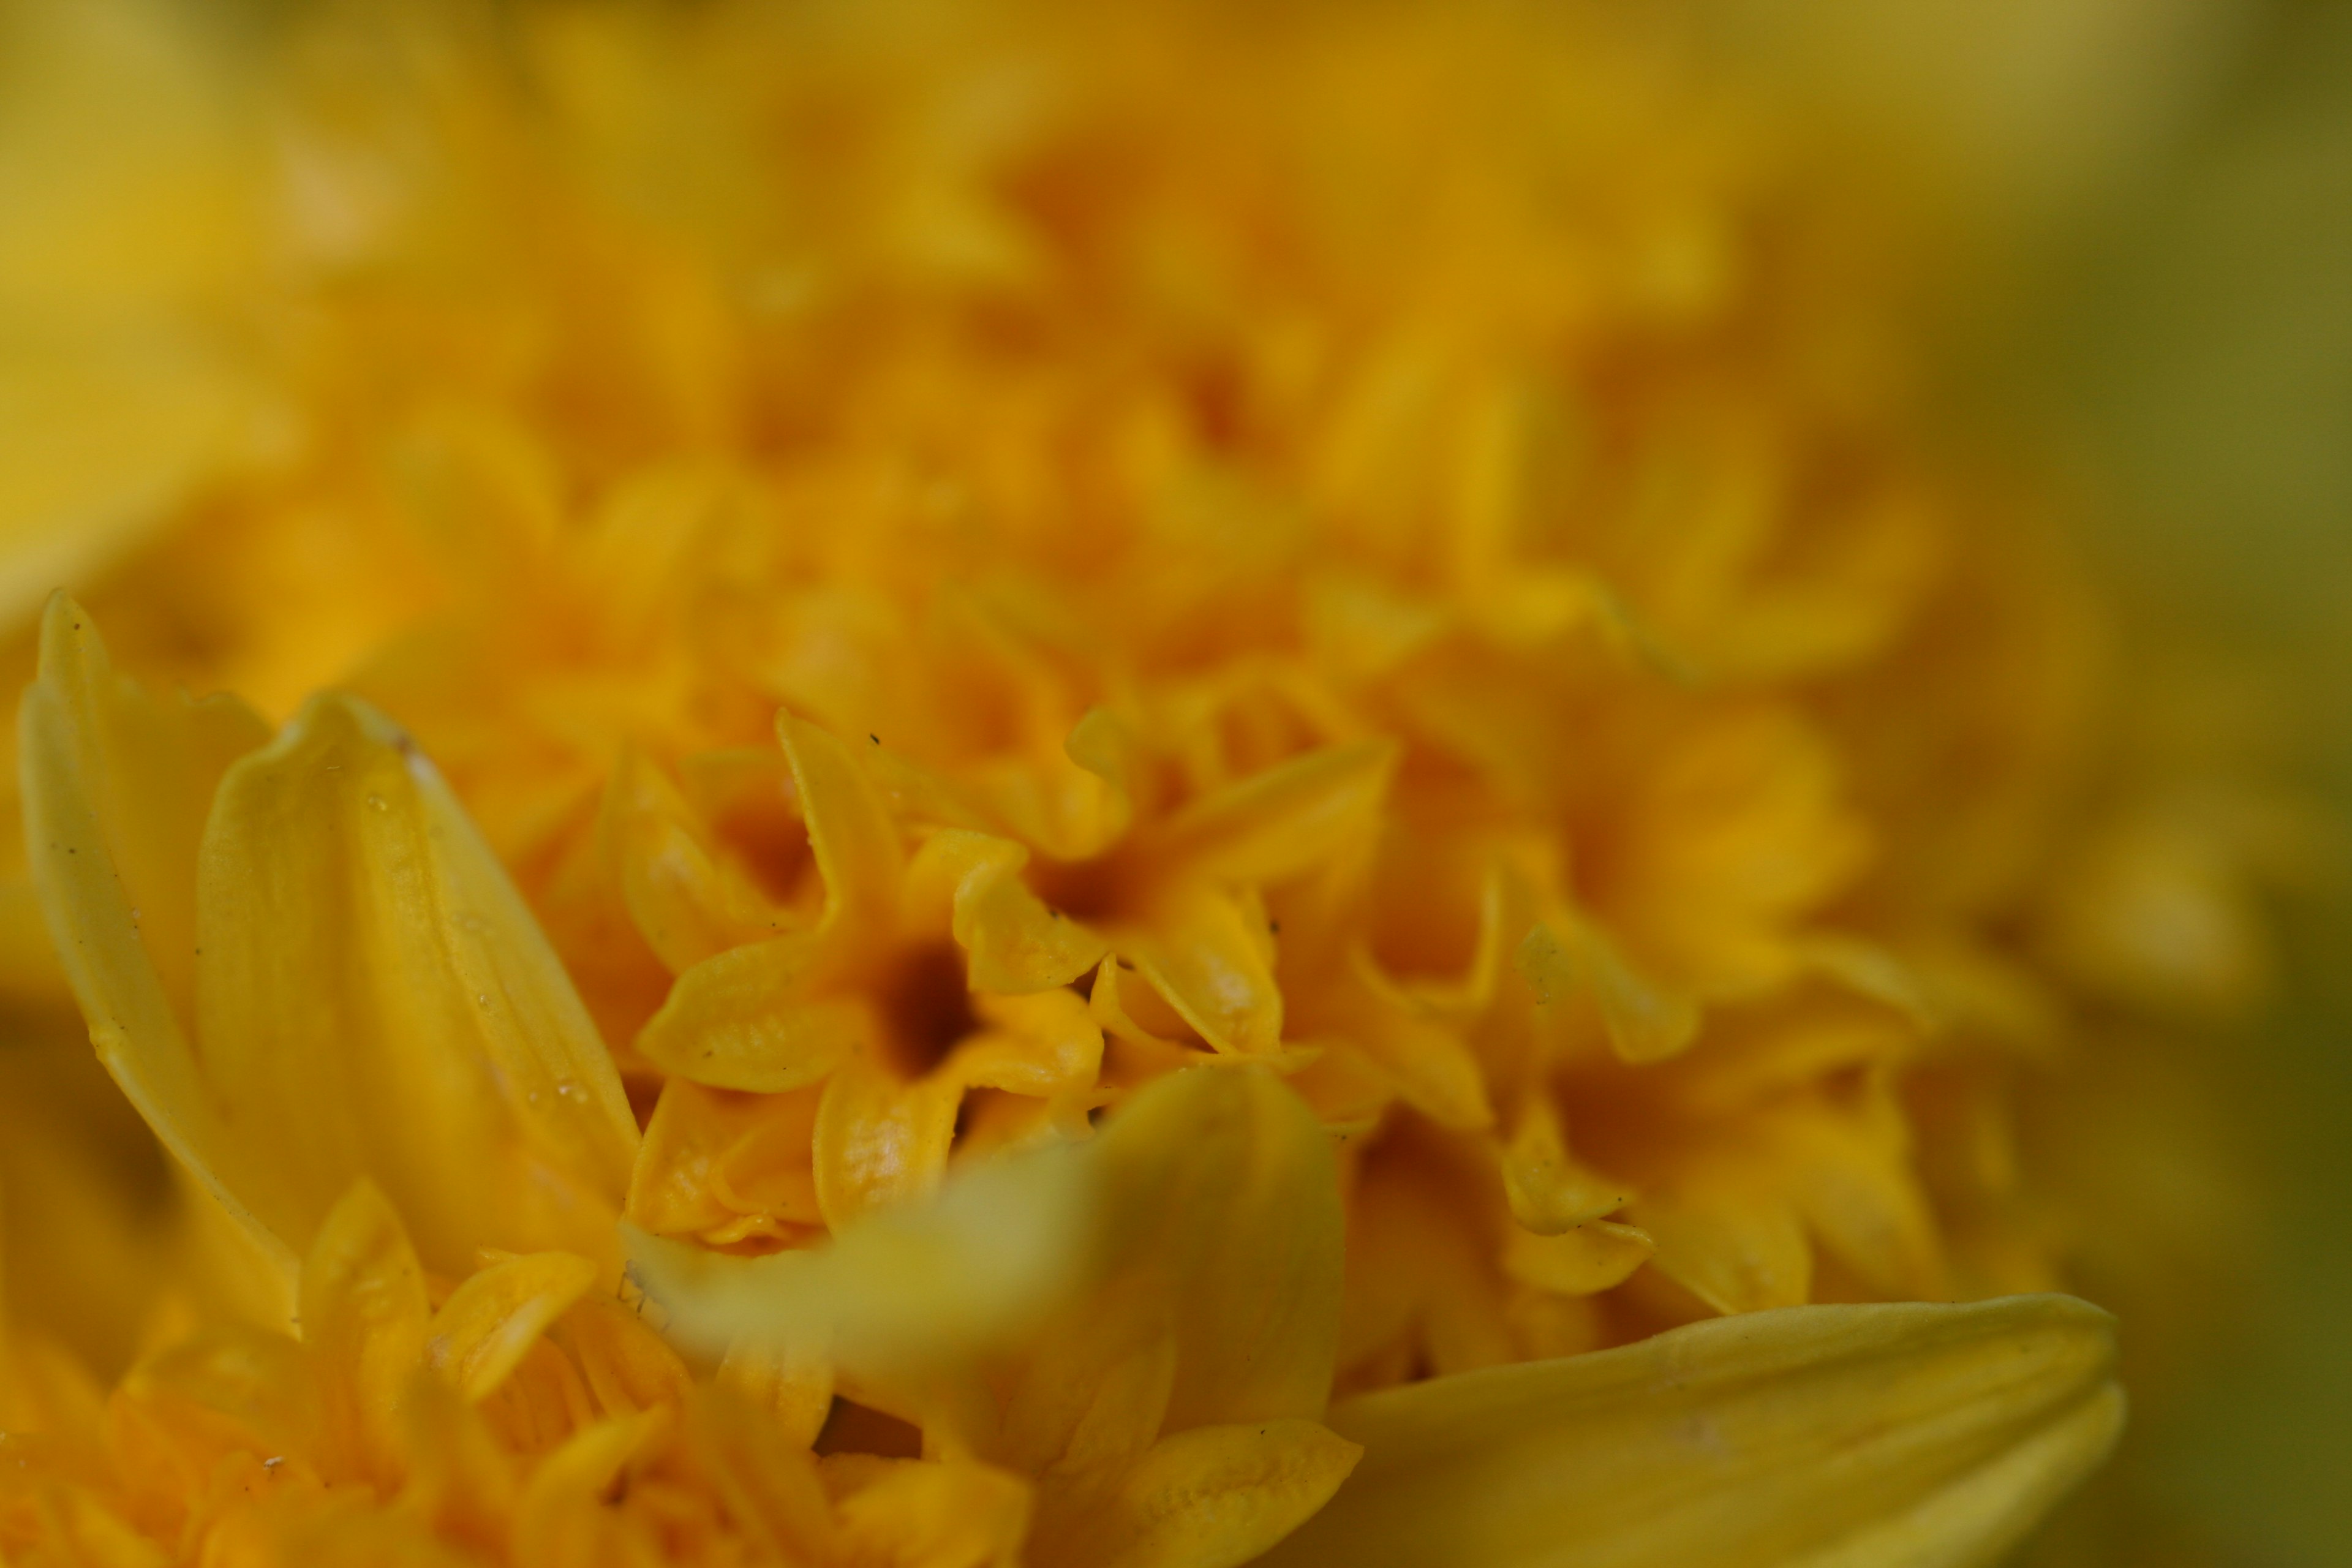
(482, 1332)
(1899, 1437)
(117, 787)
(1279, 823)
(367, 972)
(753, 1018)
(856, 845)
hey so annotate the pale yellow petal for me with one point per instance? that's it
(753, 1018)
(375, 997)
(1900, 1436)
(482, 1332)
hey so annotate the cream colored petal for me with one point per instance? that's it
(375, 997)
(856, 844)
(1900, 1436)
(1202, 952)
(753, 1018)
(483, 1330)
(117, 787)
(1280, 822)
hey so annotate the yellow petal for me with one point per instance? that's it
(917, 1285)
(791, 1388)
(754, 1019)
(1728, 1237)
(879, 1139)
(1104, 744)
(627, 1366)
(1592, 1256)
(1011, 941)
(1647, 1021)
(1428, 1062)
(682, 898)
(1041, 1045)
(1283, 821)
(482, 1332)
(1215, 1497)
(726, 1166)
(956, 1514)
(1549, 1191)
(766, 1475)
(1199, 950)
(1220, 1183)
(364, 1309)
(1895, 1436)
(117, 788)
(856, 845)
(374, 997)
(560, 1518)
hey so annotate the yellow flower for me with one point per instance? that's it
(1158, 788)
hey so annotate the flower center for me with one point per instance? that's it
(926, 1007)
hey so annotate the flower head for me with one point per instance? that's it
(1061, 735)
